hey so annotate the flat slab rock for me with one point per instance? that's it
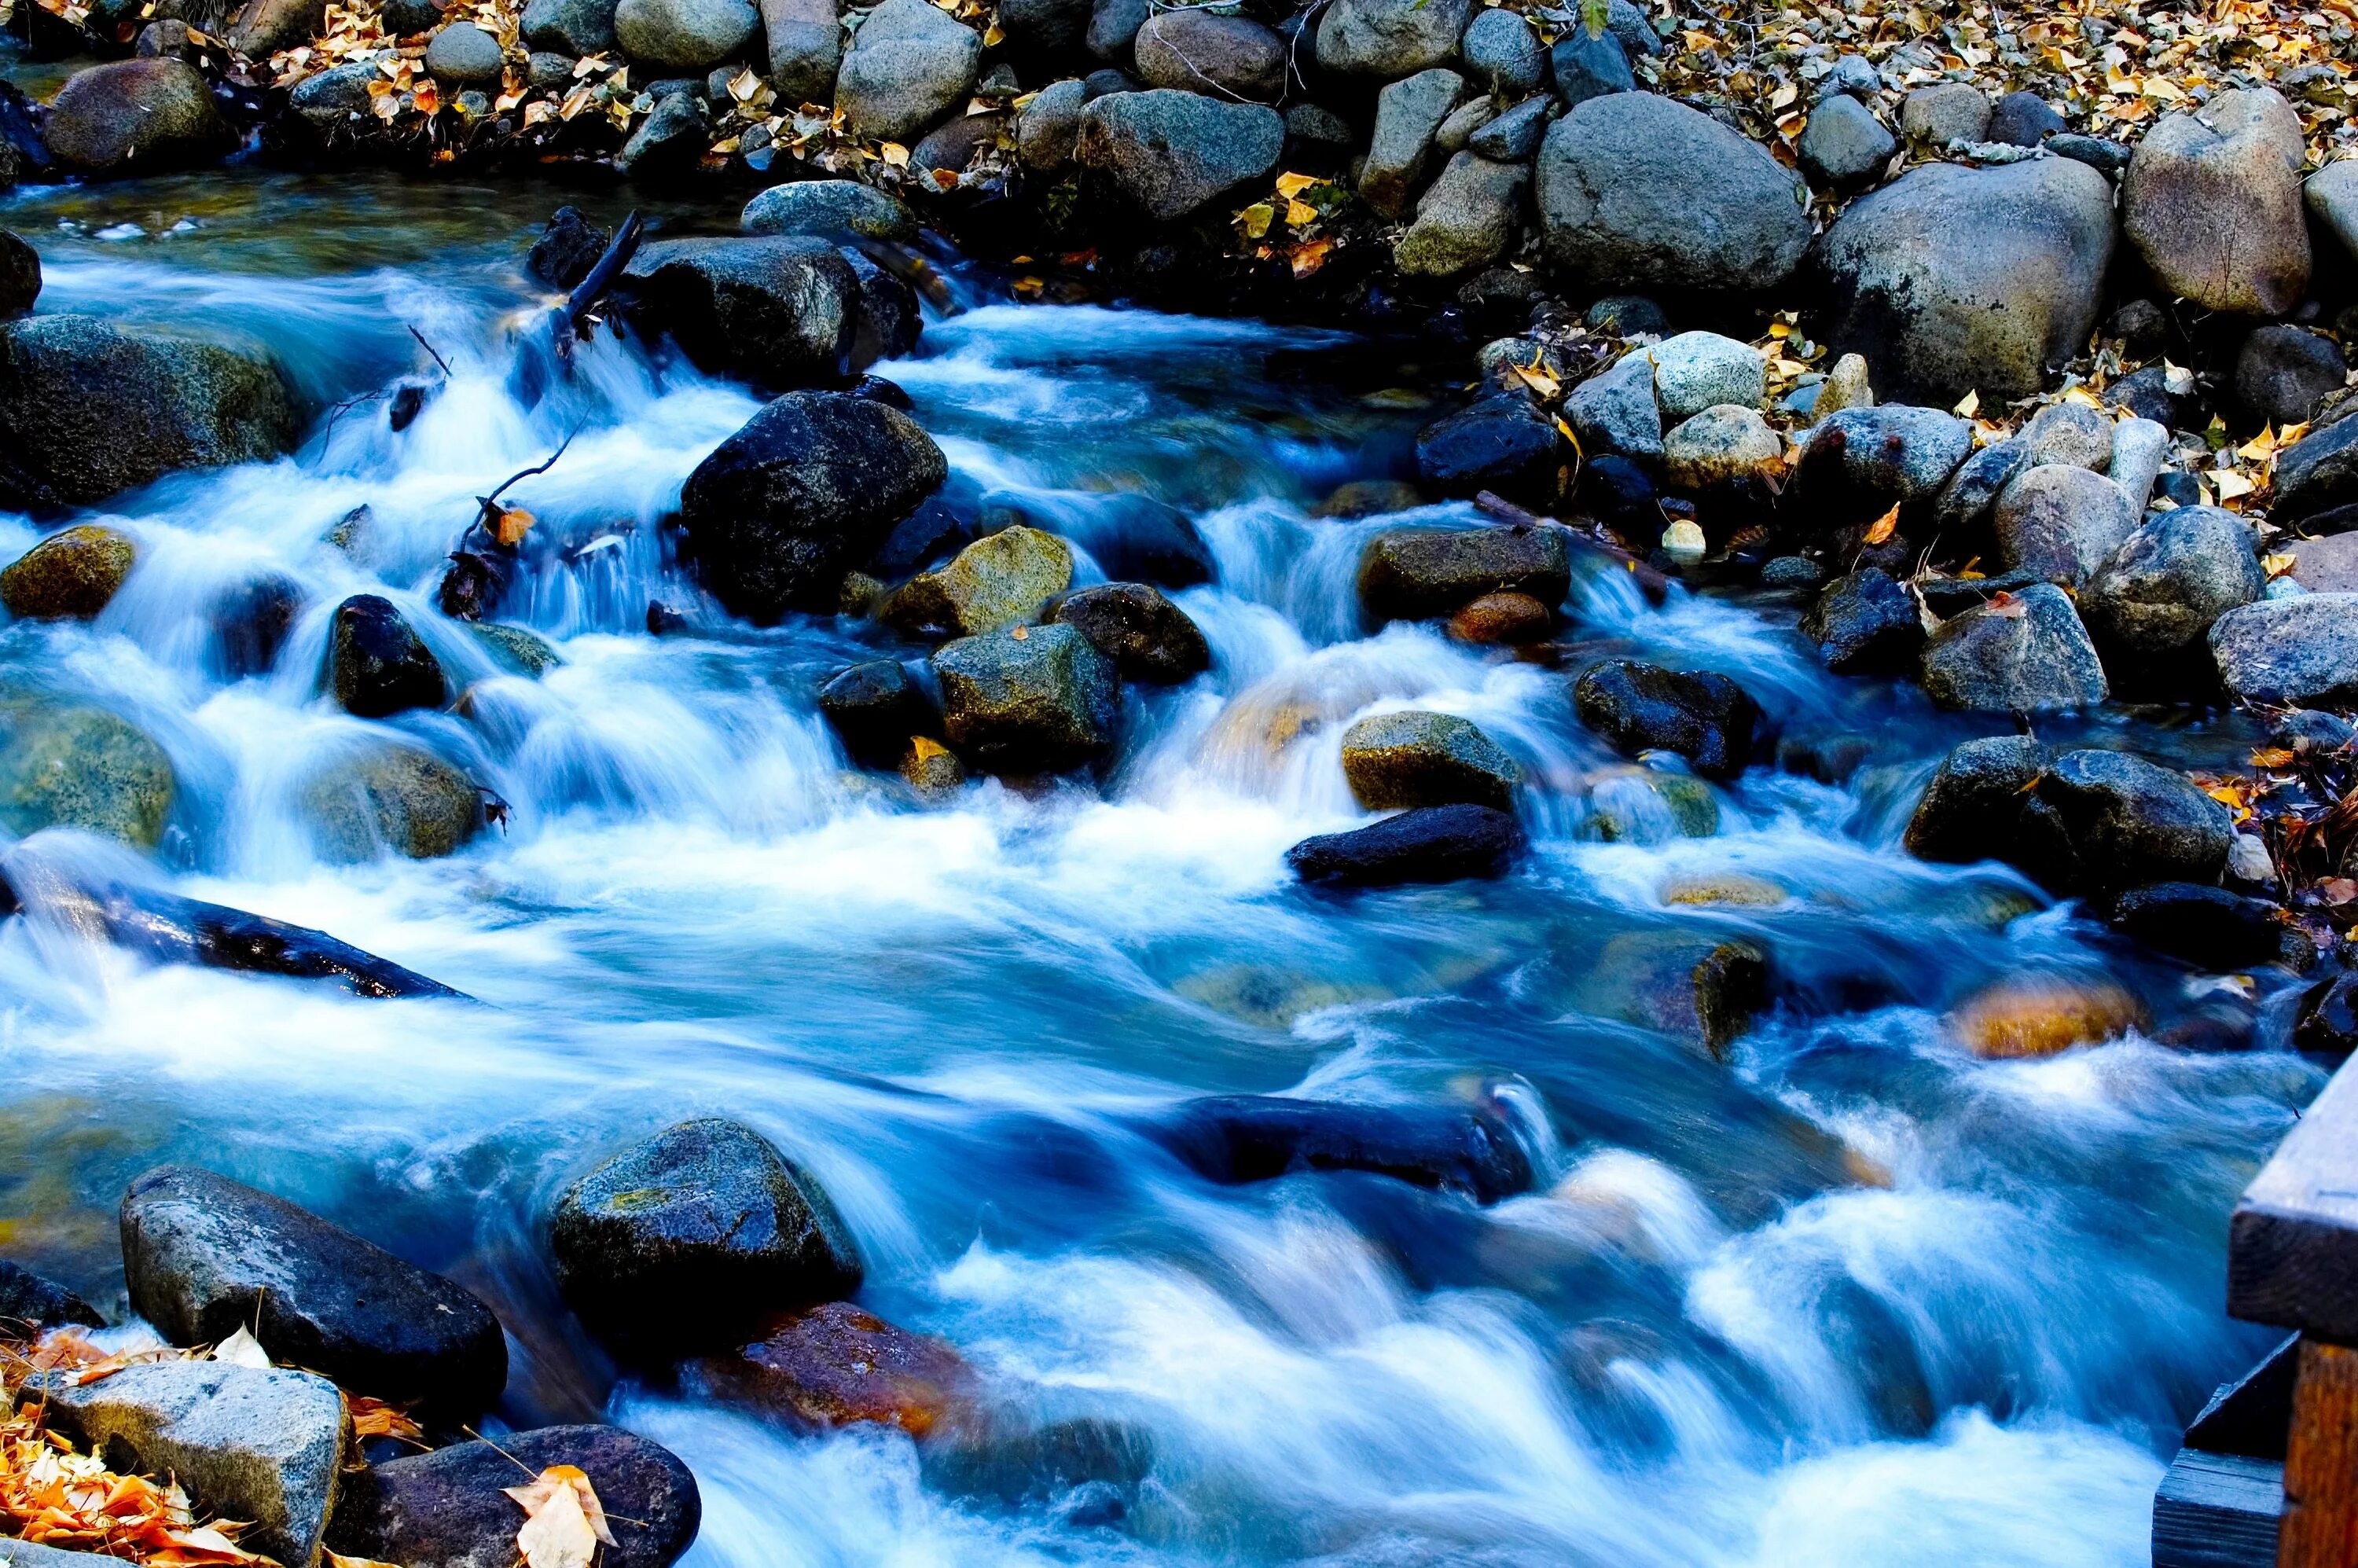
(447, 1509)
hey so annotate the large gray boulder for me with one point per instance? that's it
(2301, 651)
(88, 409)
(2212, 203)
(204, 1256)
(1636, 191)
(909, 64)
(805, 39)
(2024, 653)
(2061, 521)
(262, 1444)
(1389, 38)
(461, 54)
(1050, 125)
(1465, 219)
(2131, 824)
(780, 311)
(1503, 53)
(810, 486)
(1196, 50)
(1032, 699)
(1169, 153)
(574, 28)
(136, 116)
(1860, 462)
(684, 35)
(1408, 115)
(830, 210)
(1937, 317)
(2162, 591)
(692, 1238)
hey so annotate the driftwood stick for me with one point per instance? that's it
(1651, 581)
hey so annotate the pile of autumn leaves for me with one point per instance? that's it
(53, 1494)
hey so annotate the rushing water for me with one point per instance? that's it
(1852, 1297)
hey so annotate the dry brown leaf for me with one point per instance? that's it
(564, 1521)
(1884, 526)
(513, 525)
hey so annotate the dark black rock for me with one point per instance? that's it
(2284, 372)
(693, 1236)
(1865, 624)
(663, 621)
(1147, 638)
(780, 311)
(1628, 315)
(20, 275)
(2146, 393)
(2099, 153)
(169, 929)
(1589, 67)
(1981, 805)
(1501, 444)
(378, 664)
(1418, 574)
(1619, 491)
(1706, 719)
(250, 622)
(2207, 926)
(2179, 487)
(2327, 1023)
(2318, 474)
(1244, 1137)
(888, 320)
(876, 389)
(1431, 844)
(2131, 823)
(28, 1302)
(2143, 327)
(447, 1509)
(204, 1256)
(875, 709)
(475, 584)
(2023, 120)
(568, 249)
(813, 484)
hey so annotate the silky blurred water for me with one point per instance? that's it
(1852, 1297)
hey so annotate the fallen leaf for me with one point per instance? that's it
(2008, 606)
(1884, 526)
(1292, 184)
(242, 1349)
(1255, 220)
(374, 1418)
(2338, 890)
(2271, 757)
(1967, 405)
(513, 525)
(2277, 563)
(564, 1521)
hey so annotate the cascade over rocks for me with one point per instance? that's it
(774, 310)
(378, 664)
(1705, 717)
(1420, 574)
(71, 766)
(811, 484)
(390, 799)
(1029, 700)
(70, 575)
(833, 1365)
(1238, 1138)
(204, 1256)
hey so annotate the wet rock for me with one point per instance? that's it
(1202, 51)
(567, 248)
(1586, 67)
(1418, 574)
(1705, 717)
(875, 709)
(70, 575)
(833, 1365)
(88, 409)
(1936, 320)
(773, 309)
(2026, 653)
(1615, 410)
(1501, 444)
(1388, 39)
(1169, 153)
(684, 35)
(515, 649)
(1030, 699)
(2316, 474)
(1244, 1137)
(2284, 372)
(1465, 219)
(1860, 462)
(886, 319)
(1692, 987)
(390, 799)
(29, 1301)
(2061, 521)
(1505, 619)
(2023, 120)
(1696, 370)
(1414, 759)
(2131, 823)
(2207, 926)
(168, 929)
(1982, 806)
(136, 116)
(2212, 203)
(993, 584)
(83, 767)
(574, 27)
(1644, 806)
(20, 275)
(1966, 501)
(2069, 433)
(1050, 126)
(1147, 638)
(1359, 498)
(931, 768)
(909, 65)
(462, 54)
(1866, 625)
(1728, 448)
(204, 1256)
(1434, 844)
(261, 1445)
(695, 1235)
(1635, 190)
(377, 665)
(2161, 592)
(1943, 113)
(2042, 1015)
(447, 1509)
(804, 41)
(830, 210)
(1843, 145)
(2327, 1023)
(1514, 136)
(2300, 650)
(813, 484)
(1503, 53)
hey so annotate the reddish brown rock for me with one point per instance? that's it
(834, 1365)
(1511, 619)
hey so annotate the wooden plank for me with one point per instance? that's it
(2292, 1246)
(2250, 1415)
(2217, 1511)
(2320, 1473)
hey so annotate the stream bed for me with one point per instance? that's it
(1850, 1295)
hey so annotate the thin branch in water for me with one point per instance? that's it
(429, 349)
(491, 504)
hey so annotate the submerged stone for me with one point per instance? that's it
(1430, 844)
(1238, 1138)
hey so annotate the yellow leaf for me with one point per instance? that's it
(2271, 757)
(563, 1520)
(338, 1560)
(1255, 220)
(1884, 526)
(513, 525)
(1300, 214)
(1292, 184)
(1783, 95)
(2231, 485)
(1967, 405)
(894, 154)
(2260, 447)
(1309, 257)
(1538, 380)
(2277, 565)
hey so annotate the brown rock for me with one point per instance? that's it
(1198, 50)
(1512, 619)
(2213, 201)
(834, 1365)
(2329, 564)
(262, 28)
(67, 576)
(2042, 1015)
(136, 116)
(931, 768)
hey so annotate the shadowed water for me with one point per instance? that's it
(1851, 1297)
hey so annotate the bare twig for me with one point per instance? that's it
(429, 349)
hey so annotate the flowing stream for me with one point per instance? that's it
(1852, 1296)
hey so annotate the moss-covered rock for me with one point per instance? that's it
(1412, 759)
(521, 651)
(83, 767)
(69, 576)
(990, 585)
(394, 798)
